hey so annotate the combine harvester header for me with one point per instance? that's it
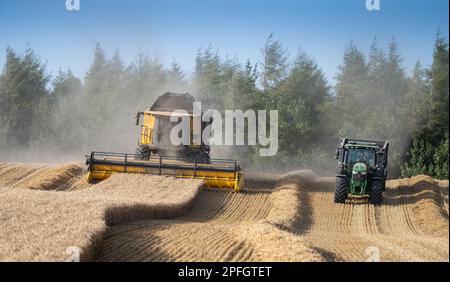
(219, 173)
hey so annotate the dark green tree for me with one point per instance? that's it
(208, 79)
(24, 89)
(439, 121)
(351, 93)
(176, 78)
(421, 159)
(65, 111)
(274, 63)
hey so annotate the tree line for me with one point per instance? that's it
(374, 97)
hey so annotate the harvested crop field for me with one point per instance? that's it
(39, 225)
(222, 226)
(278, 218)
(294, 219)
(411, 225)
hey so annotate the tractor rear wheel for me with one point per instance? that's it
(376, 192)
(340, 195)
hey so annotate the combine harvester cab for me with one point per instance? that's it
(155, 155)
(362, 170)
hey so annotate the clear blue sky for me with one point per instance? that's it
(176, 29)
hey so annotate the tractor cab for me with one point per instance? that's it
(361, 155)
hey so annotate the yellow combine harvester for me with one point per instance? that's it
(156, 155)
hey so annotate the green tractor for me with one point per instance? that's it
(362, 170)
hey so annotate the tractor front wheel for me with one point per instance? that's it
(376, 192)
(341, 190)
